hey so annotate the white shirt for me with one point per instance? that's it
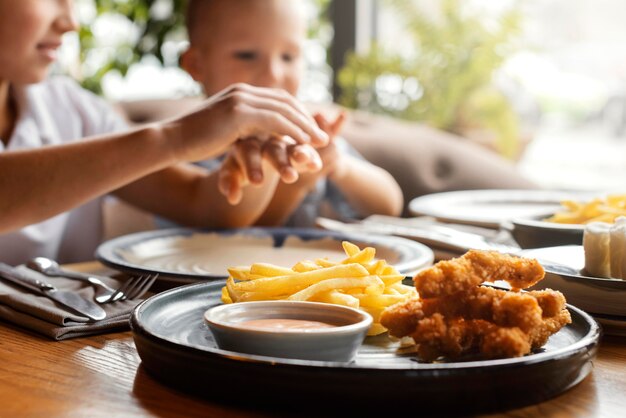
(58, 111)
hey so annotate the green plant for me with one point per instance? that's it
(447, 82)
(156, 22)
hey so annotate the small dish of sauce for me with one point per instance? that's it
(284, 324)
(289, 329)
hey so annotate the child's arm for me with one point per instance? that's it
(40, 183)
(190, 195)
(367, 188)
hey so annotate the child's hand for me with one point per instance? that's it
(243, 164)
(290, 159)
(330, 155)
(333, 128)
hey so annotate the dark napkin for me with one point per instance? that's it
(42, 315)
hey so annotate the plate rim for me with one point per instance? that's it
(488, 192)
(538, 223)
(592, 337)
(601, 282)
(105, 252)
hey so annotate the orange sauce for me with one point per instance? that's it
(284, 324)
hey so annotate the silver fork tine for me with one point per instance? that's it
(132, 285)
(120, 294)
(142, 286)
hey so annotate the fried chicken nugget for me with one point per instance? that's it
(539, 336)
(459, 274)
(455, 315)
(552, 302)
(451, 338)
(402, 318)
(501, 307)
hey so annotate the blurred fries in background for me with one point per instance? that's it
(359, 281)
(597, 210)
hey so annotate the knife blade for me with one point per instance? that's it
(70, 300)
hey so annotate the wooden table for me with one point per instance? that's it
(102, 376)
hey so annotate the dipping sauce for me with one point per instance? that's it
(284, 324)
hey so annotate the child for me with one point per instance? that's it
(52, 177)
(260, 42)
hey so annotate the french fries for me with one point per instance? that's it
(597, 210)
(359, 281)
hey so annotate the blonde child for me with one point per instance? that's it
(62, 149)
(260, 42)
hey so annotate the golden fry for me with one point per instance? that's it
(269, 270)
(368, 282)
(240, 273)
(336, 297)
(301, 280)
(596, 210)
(306, 265)
(324, 262)
(364, 256)
(350, 248)
(225, 296)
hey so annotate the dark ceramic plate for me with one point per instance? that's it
(186, 255)
(537, 233)
(177, 348)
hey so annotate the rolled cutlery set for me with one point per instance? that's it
(132, 288)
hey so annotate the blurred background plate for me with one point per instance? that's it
(187, 255)
(177, 348)
(536, 233)
(491, 207)
(599, 297)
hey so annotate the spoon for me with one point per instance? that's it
(51, 268)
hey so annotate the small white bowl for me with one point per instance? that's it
(339, 342)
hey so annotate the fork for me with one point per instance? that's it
(103, 292)
(133, 288)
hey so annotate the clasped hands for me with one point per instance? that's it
(249, 160)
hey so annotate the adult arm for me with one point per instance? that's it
(40, 183)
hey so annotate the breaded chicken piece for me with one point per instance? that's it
(539, 336)
(451, 338)
(448, 277)
(402, 318)
(552, 302)
(519, 272)
(454, 315)
(501, 307)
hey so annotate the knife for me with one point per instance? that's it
(70, 300)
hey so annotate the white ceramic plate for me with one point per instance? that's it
(492, 207)
(597, 296)
(189, 255)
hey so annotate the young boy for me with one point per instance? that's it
(260, 42)
(52, 177)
